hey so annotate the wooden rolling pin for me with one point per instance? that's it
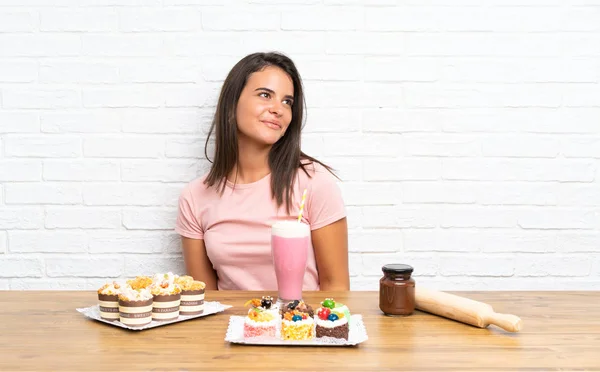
(464, 310)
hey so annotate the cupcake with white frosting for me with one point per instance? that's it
(166, 277)
(135, 306)
(166, 300)
(108, 300)
(192, 295)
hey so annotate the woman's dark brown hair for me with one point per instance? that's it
(285, 157)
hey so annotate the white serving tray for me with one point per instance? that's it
(357, 334)
(93, 312)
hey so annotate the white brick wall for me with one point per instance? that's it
(467, 135)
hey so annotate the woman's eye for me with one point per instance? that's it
(264, 94)
(288, 102)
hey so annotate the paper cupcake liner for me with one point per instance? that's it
(135, 313)
(192, 302)
(109, 306)
(166, 307)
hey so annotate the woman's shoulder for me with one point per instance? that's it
(196, 188)
(315, 168)
(325, 203)
(315, 173)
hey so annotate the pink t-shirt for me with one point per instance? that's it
(236, 226)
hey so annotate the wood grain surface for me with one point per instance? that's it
(42, 331)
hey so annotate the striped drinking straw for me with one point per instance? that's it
(302, 206)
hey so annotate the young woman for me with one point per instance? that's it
(258, 175)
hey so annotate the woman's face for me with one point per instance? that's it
(264, 110)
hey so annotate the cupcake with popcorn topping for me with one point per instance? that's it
(262, 319)
(166, 298)
(135, 306)
(140, 282)
(332, 321)
(108, 301)
(192, 295)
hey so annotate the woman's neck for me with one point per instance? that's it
(253, 163)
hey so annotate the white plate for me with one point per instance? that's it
(93, 312)
(356, 334)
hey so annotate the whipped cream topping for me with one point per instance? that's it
(290, 229)
(254, 323)
(330, 323)
(307, 321)
(168, 277)
(112, 288)
(130, 294)
(165, 288)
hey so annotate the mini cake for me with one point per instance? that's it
(167, 297)
(140, 282)
(298, 322)
(135, 306)
(108, 301)
(192, 295)
(331, 323)
(261, 320)
(341, 308)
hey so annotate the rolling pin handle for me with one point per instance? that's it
(508, 322)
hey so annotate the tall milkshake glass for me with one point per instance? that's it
(289, 247)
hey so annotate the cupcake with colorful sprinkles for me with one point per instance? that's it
(262, 319)
(332, 320)
(135, 306)
(108, 301)
(297, 323)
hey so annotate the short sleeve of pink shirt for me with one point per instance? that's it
(324, 201)
(236, 225)
(187, 222)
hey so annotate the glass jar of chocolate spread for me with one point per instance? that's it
(397, 290)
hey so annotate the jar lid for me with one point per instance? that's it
(397, 269)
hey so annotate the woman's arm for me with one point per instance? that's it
(197, 263)
(331, 251)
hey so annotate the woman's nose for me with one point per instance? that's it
(276, 108)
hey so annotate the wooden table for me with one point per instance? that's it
(41, 331)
